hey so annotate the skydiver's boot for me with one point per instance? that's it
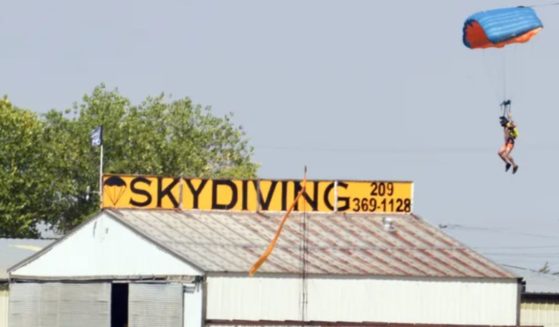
(507, 167)
(515, 169)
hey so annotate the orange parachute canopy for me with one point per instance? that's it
(499, 27)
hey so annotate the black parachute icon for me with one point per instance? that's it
(114, 187)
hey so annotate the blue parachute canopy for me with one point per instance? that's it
(499, 27)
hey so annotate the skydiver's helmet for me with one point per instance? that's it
(503, 121)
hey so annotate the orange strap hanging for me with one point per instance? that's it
(272, 244)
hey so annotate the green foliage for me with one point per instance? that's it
(53, 157)
(28, 192)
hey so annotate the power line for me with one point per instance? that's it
(402, 151)
(494, 230)
(529, 269)
(517, 254)
(515, 247)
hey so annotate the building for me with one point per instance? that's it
(13, 251)
(149, 267)
(539, 299)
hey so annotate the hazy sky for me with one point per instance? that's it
(354, 89)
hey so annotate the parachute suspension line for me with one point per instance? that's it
(499, 28)
(506, 107)
(504, 74)
(492, 67)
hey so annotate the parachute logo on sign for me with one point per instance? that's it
(114, 187)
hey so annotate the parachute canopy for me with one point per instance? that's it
(499, 27)
(114, 187)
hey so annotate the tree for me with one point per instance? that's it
(29, 193)
(49, 170)
(157, 137)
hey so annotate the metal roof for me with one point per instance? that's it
(13, 251)
(537, 282)
(337, 243)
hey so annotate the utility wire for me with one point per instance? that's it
(517, 254)
(495, 230)
(528, 269)
(515, 247)
(404, 151)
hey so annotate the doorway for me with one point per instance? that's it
(119, 305)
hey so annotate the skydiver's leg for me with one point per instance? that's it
(508, 150)
(509, 158)
(503, 154)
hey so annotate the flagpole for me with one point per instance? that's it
(96, 136)
(101, 176)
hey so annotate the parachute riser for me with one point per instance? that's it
(506, 108)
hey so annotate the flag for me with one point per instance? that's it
(97, 136)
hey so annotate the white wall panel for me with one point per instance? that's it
(193, 305)
(4, 300)
(539, 314)
(155, 305)
(60, 305)
(104, 247)
(253, 298)
(413, 301)
(376, 300)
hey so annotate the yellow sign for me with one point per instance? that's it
(255, 195)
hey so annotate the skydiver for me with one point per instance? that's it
(510, 133)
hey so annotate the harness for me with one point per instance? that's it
(505, 122)
(513, 131)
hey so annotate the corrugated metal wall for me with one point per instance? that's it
(60, 305)
(193, 305)
(155, 305)
(253, 299)
(539, 314)
(428, 301)
(3, 306)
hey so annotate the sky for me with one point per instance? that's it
(352, 89)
